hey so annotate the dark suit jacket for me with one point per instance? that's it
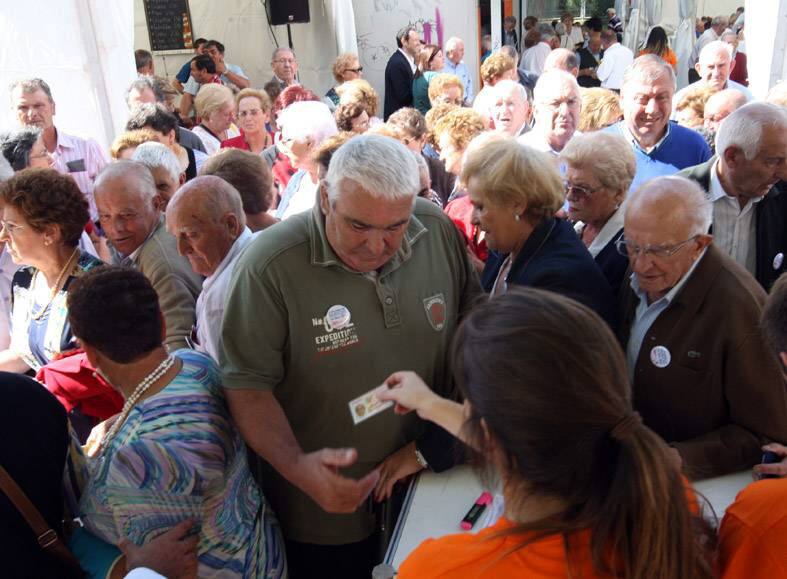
(722, 395)
(398, 84)
(587, 60)
(770, 220)
(553, 258)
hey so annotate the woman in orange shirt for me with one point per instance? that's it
(589, 490)
(658, 44)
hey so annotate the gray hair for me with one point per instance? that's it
(546, 31)
(608, 157)
(146, 82)
(15, 146)
(743, 127)
(128, 172)
(509, 50)
(719, 21)
(507, 85)
(307, 119)
(551, 77)
(714, 47)
(280, 49)
(29, 85)
(214, 197)
(650, 68)
(154, 155)
(381, 165)
(684, 196)
(451, 43)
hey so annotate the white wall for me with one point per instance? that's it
(242, 27)
(377, 22)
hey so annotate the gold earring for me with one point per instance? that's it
(516, 216)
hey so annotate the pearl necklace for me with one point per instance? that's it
(141, 388)
(56, 288)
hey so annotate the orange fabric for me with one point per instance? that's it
(670, 57)
(476, 555)
(753, 534)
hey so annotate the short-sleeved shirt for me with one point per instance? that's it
(318, 334)
(83, 160)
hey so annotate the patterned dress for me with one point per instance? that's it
(39, 341)
(179, 456)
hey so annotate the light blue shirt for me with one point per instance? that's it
(461, 71)
(647, 314)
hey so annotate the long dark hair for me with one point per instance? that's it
(548, 391)
(657, 42)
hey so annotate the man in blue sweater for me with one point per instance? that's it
(661, 147)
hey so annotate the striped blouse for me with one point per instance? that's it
(179, 456)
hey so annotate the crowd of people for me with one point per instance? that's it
(560, 276)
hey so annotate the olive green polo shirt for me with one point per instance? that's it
(318, 334)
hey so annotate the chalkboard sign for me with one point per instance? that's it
(169, 24)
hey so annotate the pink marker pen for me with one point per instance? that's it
(471, 518)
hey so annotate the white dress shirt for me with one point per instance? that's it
(606, 234)
(210, 303)
(617, 59)
(410, 60)
(534, 58)
(535, 138)
(734, 230)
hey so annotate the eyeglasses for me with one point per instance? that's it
(633, 251)
(9, 228)
(355, 70)
(579, 191)
(250, 113)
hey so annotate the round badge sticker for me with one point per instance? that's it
(660, 357)
(337, 317)
(778, 260)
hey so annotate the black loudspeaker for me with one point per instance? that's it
(287, 11)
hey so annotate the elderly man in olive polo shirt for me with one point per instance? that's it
(321, 309)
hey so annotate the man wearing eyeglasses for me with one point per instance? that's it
(284, 66)
(701, 375)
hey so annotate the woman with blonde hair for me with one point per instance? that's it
(361, 92)
(600, 109)
(215, 107)
(345, 68)
(599, 170)
(516, 191)
(254, 112)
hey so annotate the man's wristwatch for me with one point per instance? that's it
(421, 460)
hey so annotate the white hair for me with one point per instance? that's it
(380, 165)
(307, 120)
(131, 173)
(505, 87)
(549, 79)
(546, 31)
(713, 48)
(674, 191)
(451, 43)
(154, 155)
(743, 127)
(718, 21)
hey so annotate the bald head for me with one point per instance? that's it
(562, 59)
(719, 106)
(208, 196)
(206, 217)
(128, 205)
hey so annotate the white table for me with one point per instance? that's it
(436, 503)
